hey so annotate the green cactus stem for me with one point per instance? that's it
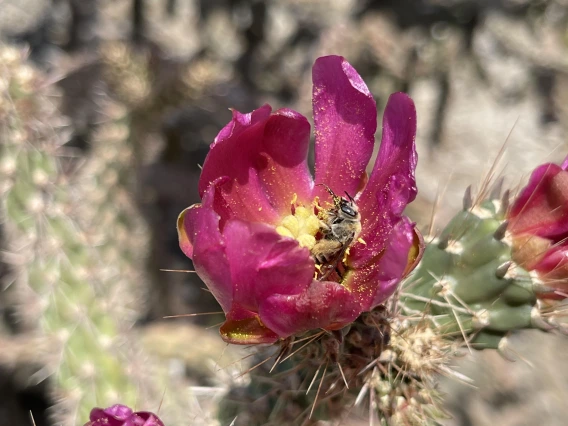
(70, 244)
(468, 284)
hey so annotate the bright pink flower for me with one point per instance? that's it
(539, 225)
(121, 415)
(251, 237)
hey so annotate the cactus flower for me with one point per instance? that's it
(538, 223)
(253, 239)
(121, 415)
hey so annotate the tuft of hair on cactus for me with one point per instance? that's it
(121, 415)
(284, 252)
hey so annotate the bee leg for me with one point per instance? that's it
(329, 270)
(324, 227)
(338, 272)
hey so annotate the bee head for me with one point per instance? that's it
(346, 206)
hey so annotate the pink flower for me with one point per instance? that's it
(539, 226)
(254, 237)
(121, 415)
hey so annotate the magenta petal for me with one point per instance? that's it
(391, 185)
(565, 164)
(323, 305)
(120, 415)
(143, 418)
(553, 270)
(542, 206)
(233, 155)
(201, 225)
(263, 159)
(285, 151)
(394, 261)
(112, 416)
(121, 412)
(555, 259)
(264, 263)
(345, 116)
(377, 280)
(392, 264)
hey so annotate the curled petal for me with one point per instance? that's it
(285, 153)
(391, 185)
(118, 413)
(324, 304)
(553, 270)
(376, 281)
(415, 253)
(528, 250)
(244, 327)
(232, 155)
(264, 263)
(263, 159)
(144, 418)
(345, 117)
(542, 206)
(394, 263)
(184, 241)
(200, 237)
(121, 415)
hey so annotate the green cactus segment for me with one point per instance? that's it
(78, 272)
(467, 282)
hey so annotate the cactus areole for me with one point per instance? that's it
(272, 243)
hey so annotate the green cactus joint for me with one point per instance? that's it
(467, 283)
(63, 286)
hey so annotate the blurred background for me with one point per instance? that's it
(138, 89)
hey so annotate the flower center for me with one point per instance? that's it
(303, 225)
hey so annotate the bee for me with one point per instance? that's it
(339, 226)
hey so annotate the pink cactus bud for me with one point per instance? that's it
(539, 225)
(121, 415)
(264, 224)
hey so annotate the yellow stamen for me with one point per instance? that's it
(294, 199)
(307, 240)
(292, 223)
(303, 225)
(285, 232)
